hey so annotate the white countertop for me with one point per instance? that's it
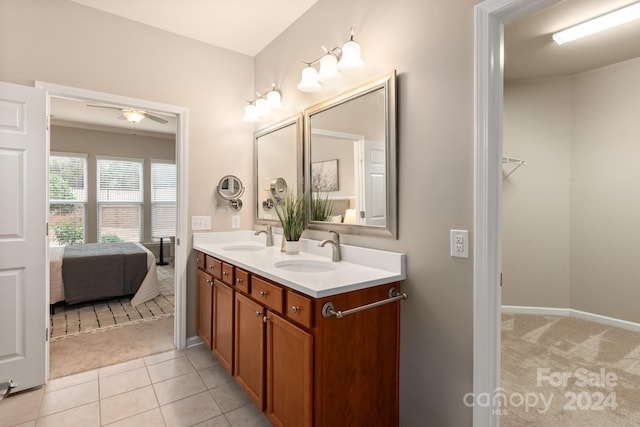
(360, 268)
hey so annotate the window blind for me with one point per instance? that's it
(163, 199)
(120, 199)
(67, 198)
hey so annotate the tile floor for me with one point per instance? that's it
(176, 388)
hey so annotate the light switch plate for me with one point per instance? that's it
(201, 223)
(235, 221)
(459, 242)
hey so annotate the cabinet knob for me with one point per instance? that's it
(258, 313)
(224, 273)
(295, 309)
(265, 318)
(262, 294)
(197, 259)
(238, 280)
(211, 268)
(210, 282)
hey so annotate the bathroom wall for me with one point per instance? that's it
(588, 178)
(430, 44)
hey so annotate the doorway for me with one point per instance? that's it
(181, 251)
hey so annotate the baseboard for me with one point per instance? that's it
(194, 341)
(570, 312)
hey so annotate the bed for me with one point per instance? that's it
(93, 271)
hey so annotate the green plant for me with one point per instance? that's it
(68, 234)
(321, 207)
(292, 213)
(111, 238)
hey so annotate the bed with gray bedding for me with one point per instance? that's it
(94, 271)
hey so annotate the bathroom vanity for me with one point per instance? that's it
(282, 326)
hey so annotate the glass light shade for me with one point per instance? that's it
(251, 114)
(133, 116)
(328, 68)
(309, 81)
(274, 99)
(351, 60)
(262, 106)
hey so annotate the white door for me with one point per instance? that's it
(23, 240)
(375, 183)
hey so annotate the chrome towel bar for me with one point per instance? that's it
(329, 310)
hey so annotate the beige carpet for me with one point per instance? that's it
(118, 337)
(587, 373)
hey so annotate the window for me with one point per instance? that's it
(163, 199)
(67, 198)
(120, 199)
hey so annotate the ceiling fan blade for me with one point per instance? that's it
(104, 106)
(154, 118)
(122, 117)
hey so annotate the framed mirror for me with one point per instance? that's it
(350, 159)
(278, 165)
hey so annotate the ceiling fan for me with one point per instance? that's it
(133, 115)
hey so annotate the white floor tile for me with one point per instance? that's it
(152, 418)
(82, 377)
(170, 369)
(69, 397)
(190, 411)
(120, 367)
(21, 407)
(81, 416)
(123, 382)
(127, 404)
(178, 388)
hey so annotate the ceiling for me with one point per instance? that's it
(244, 26)
(531, 53)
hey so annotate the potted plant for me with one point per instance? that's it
(292, 213)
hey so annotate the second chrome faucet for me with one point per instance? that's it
(335, 243)
(268, 233)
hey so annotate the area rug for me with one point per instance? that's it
(77, 319)
(561, 371)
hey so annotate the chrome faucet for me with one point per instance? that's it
(268, 233)
(335, 242)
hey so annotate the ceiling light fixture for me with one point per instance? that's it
(133, 116)
(262, 104)
(346, 59)
(601, 23)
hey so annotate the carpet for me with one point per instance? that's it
(77, 319)
(565, 371)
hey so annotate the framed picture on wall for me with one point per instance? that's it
(324, 176)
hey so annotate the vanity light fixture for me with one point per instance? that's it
(262, 104)
(600, 23)
(345, 59)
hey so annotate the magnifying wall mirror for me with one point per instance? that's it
(350, 156)
(230, 188)
(278, 163)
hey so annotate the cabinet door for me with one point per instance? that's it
(249, 348)
(223, 324)
(289, 373)
(204, 306)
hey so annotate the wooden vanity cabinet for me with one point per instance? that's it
(299, 368)
(204, 305)
(249, 361)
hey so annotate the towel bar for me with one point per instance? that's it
(329, 310)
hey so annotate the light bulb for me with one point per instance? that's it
(262, 106)
(133, 116)
(251, 114)
(274, 99)
(351, 60)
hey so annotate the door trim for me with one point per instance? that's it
(490, 17)
(182, 249)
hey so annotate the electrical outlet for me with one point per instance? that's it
(201, 223)
(460, 243)
(235, 221)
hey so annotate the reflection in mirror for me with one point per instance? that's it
(278, 161)
(350, 146)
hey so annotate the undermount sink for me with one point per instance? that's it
(304, 265)
(247, 247)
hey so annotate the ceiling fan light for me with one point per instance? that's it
(251, 114)
(133, 116)
(309, 81)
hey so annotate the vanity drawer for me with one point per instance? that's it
(242, 280)
(299, 309)
(214, 267)
(201, 260)
(267, 293)
(227, 273)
